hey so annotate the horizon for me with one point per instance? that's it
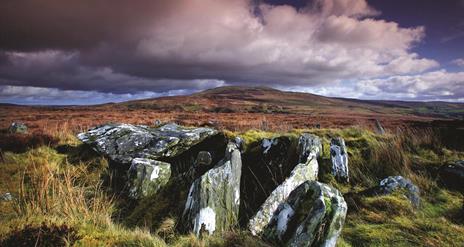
(84, 53)
(222, 87)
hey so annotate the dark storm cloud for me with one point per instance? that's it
(121, 46)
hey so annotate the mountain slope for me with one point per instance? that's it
(268, 100)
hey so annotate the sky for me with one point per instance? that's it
(95, 51)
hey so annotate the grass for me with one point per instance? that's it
(57, 189)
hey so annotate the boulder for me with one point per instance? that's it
(312, 215)
(452, 175)
(394, 183)
(310, 148)
(6, 197)
(146, 177)
(17, 128)
(124, 142)
(339, 158)
(214, 198)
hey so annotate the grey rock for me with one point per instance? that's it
(157, 123)
(123, 142)
(313, 215)
(214, 199)
(6, 197)
(146, 177)
(452, 175)
(18, 128)
(309, 147)
(339, 158)
(379, 128)
(393, 183)
(203, 159)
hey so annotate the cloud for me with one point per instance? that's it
(459, 62)
(157, 46)
(53, 96)
(435, 85)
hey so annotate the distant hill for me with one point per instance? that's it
(268, 100)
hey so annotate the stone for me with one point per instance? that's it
(214, 199)
(452, 175)
(123, 142)
(17, 128)
(309, 148)
(379, 128)
(6, 197)
(157, 123)
(239, 142)
(394, 183)
(339, 157)
(203, 159)
(146, 177)
(313, 215)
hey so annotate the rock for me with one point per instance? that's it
(17, 128)
(267, 163)
(308, 145)
(393, 183)
(239, 142)
(310, 148)
(313, 215)
(339, 158)
(214, 198)
(157, 123)
(6, 197)
(147, 176)
(203, 159)
(123, 142)
(379, 128)
(452, 175)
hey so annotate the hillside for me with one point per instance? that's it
(268, 100)
(242, 108)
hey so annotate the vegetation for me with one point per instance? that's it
(59, 198)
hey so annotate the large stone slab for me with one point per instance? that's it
(313, 215)
(310, 148)
(124, 142)
(214, 199)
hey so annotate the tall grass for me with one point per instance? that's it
(59, 194)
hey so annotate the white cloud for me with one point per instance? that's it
(435, 85)
(198, 44)
(53, 96)
(459, 62)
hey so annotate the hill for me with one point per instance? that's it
(243, 108)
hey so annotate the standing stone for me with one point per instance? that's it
(17, 128)
(379, 128)
(313, 215)
(339, 158)
(310, 148)
(147, 176)
(214, 198)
